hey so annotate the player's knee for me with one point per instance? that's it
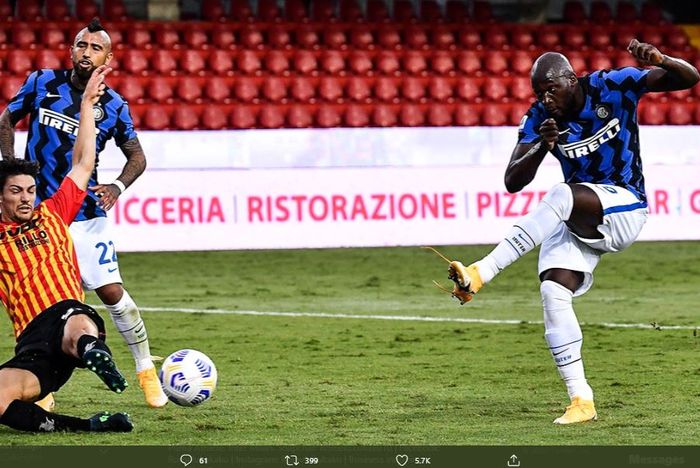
(110, 294)
(561, 199)
(554, 294)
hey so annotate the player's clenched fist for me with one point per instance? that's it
(646, 54)
(549, 132)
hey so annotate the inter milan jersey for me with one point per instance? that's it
(601, 144)
(54, 108)
(38, 266)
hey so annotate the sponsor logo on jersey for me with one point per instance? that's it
(61, 122)
(591, 144)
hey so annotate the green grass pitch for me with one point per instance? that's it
(286, 380)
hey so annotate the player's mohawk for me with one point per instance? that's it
(95, 25)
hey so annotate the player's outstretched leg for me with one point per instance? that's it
(529, 232)
(127, 319)
(564, 337)
(25, 416)
(98, 358)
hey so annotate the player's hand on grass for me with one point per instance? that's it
(107, 195)
(646, 54)
(549, 132)
(95, 87)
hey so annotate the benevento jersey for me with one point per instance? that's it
(601, 144)
(38, 265)
(54, 108)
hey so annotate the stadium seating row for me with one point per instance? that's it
(85, 10)
(502, 36)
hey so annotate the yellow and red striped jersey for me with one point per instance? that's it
(38, 265)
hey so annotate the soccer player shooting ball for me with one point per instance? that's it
(590, 125)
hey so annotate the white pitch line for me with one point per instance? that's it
(404, 318)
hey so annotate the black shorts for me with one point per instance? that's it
(38, 347)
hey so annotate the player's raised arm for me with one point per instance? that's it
(526, 158)
(85, 148)
(670, 74)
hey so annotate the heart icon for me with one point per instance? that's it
(401, 459)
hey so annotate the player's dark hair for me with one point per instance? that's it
(13, 167)
(95, 25)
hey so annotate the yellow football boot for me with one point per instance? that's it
(150, 384)
(579, 410)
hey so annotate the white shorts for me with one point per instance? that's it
(623, 218)
(97, 255)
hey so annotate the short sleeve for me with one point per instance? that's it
(66, 201)
(23, 102)
(124, 128)
(528, 131)
(632, 81)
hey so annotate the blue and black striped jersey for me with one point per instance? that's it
(54, 108)
(600, 145)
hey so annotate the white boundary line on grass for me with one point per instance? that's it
(405, 318)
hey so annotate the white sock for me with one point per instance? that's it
(563, 334)
(127, 319)
(529, 232)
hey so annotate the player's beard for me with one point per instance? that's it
(83, 73)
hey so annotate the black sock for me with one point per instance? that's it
(88, 342)
(25, 416)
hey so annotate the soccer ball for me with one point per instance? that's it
(188, 377)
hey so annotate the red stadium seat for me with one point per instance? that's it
(430, 11)
(518, 111)
(29, 10)
(222, 38)
(185, 117)
(241, 10)
(442, 37)
(413, 62)
(221, 62)
(6, 10)
(388, 37)
(652, 35)
(626, 12)
(322, 10)
(335, 38)
(456, 11)
(139, 37)
(274, 89)
(252, 37)
(495, 38)
(214, 118)
(196, 39)
(482, 11)
(440, 89)
(302, 89)
(361, 37)
(469, 62)
(496, 62)
(278, 37)
(23, 37)
(574, 38)
(577, 61)
(548, 38)
(469, 38)
(268, 10)
(295, 10)
(243, 116)
(386, 89)
(159, 89)
(305, 62)
(440, 115)
(651, 13)
(245, 89)
(332, 62)
(411, 115)
(600, 12)
(156, 118)
(57, 10)
(360, 62)
(276, 62)
(623, 34)
(522, 38)
(19, 62)
(218, 89)
(54, 38)
(495, 115)
(114, 10)
(307, 37)
(193, 62)
(387, 63)
(403, 11)
(49, 59)
(350, 10)
(442, 63)
(328, 116)
(677, 40)
(652, 113)
(494, 88)
(377, 11)
(166, 36)
(300, 116)
(271, 117)
(248, 62)
(574, 12)
(189, 89)
(86, 10)
(680, 113)
(330, 89)
(356, 116)
(164, 62)
(599, 61)
(599, 38)
(624, 59)
(521, 88)
(468, 89)
(384, 116)
(10, 86)
(358, 89)
(521, 63)
(415, 37)
(413, 89)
